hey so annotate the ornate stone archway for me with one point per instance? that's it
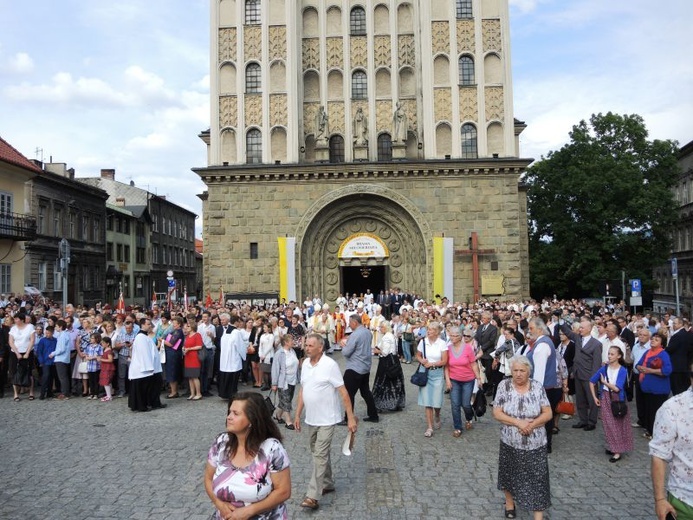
(375, 210)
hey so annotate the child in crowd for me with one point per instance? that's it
(93, 352)
(107, 368)
(44, 349)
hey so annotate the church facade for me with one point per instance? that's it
(362, 145)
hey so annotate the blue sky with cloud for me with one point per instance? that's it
(125, 84)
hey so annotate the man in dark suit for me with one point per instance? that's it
(486, 336)
(680, 349)
(396, 300)
(587, 360)
(627, 335)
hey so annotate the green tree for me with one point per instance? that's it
(601, 204)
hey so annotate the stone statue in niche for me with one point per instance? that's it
(360, 128)
(321, 125)
(400, 124)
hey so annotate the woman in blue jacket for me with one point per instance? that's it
(654, 368)
(617, 430)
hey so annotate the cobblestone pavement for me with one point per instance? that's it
(82, 459)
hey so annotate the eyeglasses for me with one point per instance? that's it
(466, 336)
(128, 323)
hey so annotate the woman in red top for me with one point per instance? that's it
(191, 360)
(460, 374)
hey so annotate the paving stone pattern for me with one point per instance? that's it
(82, 459)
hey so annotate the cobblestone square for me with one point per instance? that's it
(82, 459)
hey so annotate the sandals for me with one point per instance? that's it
(437, 424)
(457, 433)
(555, 430)
(510, 513)
(174, 396)
(31, 398)
(289, 427)
(105, 399)
(428, 432)
(310, 503)
(468, 425)
(16, 399)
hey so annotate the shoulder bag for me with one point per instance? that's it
(619, 408)
(420, 377)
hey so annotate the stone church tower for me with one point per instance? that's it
(362, 144)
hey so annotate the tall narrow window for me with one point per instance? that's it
(42, 220)
(384, 147)
(336, 149)
(466, 66)
(358, 21)
(469, 148)
(42, 276)
(253, 81)
(5, 278)
(253, 250)
(253, 146)
(58, 222)
(464, 9)
(252, 12)
(359, 85)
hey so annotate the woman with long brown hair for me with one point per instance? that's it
(247, 473)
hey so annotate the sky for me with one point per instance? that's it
(125, 85)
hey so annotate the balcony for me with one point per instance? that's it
(15, 226)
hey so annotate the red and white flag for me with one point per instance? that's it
(120, 308)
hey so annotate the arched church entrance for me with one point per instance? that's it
(331, 262)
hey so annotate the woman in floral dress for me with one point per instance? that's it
(247, 473)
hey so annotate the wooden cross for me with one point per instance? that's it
(474, 251)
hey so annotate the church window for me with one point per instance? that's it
(384, 147)
(358, 21)
(252, 12)
(359, 85)
(464, 9)
(466, 66)
(336, 149)
(253, 146)
(469, 147)
(253, 81)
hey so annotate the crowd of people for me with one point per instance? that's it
(526, 358)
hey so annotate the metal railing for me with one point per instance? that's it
(17, 226)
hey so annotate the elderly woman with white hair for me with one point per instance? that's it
(521, 406)
(388, 386)
(432, 354)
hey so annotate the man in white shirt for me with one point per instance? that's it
(322, 388)
(612, 339)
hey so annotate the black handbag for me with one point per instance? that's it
(202, 354)
(619, 408)
(269, 404)
(420, 377)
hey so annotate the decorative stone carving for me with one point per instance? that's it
(383, 51)
(227, 44)
(335, 53)
(407, 50)
(442, 101)
(277, 42)
(441, 37)
(494, 103)
(252, 42)
(322, 130)
(310, 113)
(253, 109)
(360, 128)
(469, 104)
(491, 35)
(278, 110)
(358, 51)
(311, 53)
(228, 111)
(383, 112)
(465, 36)
(335, 114)
(400, 124)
